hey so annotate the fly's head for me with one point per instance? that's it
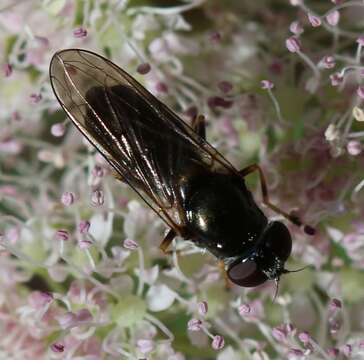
(266, 261)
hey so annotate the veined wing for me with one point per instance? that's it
(142, 139)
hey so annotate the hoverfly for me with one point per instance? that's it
(179, 175)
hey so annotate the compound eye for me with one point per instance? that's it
(278, 240)
(246, 273)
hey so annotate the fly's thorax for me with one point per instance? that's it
(221, 213)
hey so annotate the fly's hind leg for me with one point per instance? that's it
(293, 218)
(199, 125)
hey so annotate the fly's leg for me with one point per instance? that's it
(224, 273)
(199, 125)
(117, 176)
(167, 241)
(293, 218)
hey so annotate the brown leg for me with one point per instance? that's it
(117, 176)
(226, 278)
(167, 241)
(199, 125)
(294, 219)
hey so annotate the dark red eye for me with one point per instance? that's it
(277, 240)
(246, 273)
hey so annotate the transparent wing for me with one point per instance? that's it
(143, 140)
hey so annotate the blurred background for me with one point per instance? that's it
(81, 274)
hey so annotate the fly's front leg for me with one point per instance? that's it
(199, 125)
(293, 218)
(171, 234)
(167, 241)
(221, 265)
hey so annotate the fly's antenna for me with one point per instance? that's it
(285, 271)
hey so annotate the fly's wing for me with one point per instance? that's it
(142, 139)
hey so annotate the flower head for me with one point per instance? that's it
(82, 274)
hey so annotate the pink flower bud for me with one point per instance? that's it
(304, 336)
(130, 244)
(35, 98)
(57, 347)
(360, 91)
(68, 198)
(335, 304)
(39, 299)
(84, 244)
(314, 20)
(161, 87)
(296, 28)
(219, 102)
(58, 130)
(279, 334)
(215, 37)
(83, 316)
(360, 40)
(218, 342)
(62, 235)
(244, 309)
(45, 297)
(354, 147)
(84, 226)
(347, 350)
(143, 68)
(13, 235)
(67, 320)
(11, 146)
(80, 32)
(98, 171)
(333, 18)
(328, 62)
(334, 326)
(194, 325)
(7, 70)
(309, 230)
(336, 79)
(266, 84)
(97, 198)
(333, 352)
(293, 44)
(225, 86)
(297, 353)
(145, 346)
(290, 328)
(202, 308)
(192, 112)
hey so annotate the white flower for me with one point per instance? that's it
(160, 297)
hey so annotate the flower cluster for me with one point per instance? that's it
(82, 276)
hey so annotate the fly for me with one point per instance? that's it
(198, 193)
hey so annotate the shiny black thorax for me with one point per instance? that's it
(221, 213)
